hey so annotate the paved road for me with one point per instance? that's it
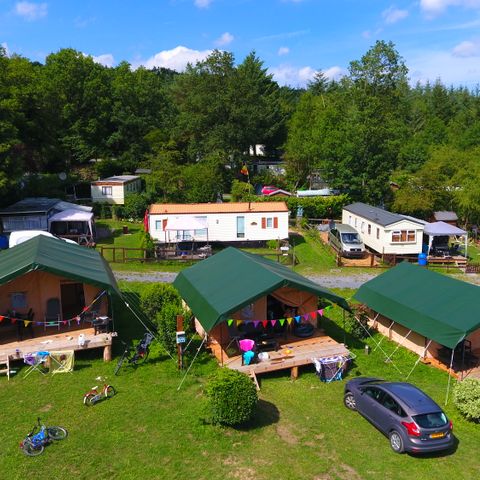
(329, 281)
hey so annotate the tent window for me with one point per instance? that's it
(18, 300)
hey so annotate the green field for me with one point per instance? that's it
(151, 430)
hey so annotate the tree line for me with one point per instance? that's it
(365, 133)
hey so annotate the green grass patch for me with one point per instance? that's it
(150, 429)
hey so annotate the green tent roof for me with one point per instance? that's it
(229, 280)
(58, 257)
(434, 305)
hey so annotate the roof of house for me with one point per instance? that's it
(236, 207)
(120, 179)
(436, 306)
(57, 257)
(375, 214)
(31, 205)
(444, 216)
(226, 282)
(279, 191)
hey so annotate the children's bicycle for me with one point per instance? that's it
(95, 395)
(137, 355)
(34, 443)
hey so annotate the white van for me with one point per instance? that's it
(21, 236)
(346, 240)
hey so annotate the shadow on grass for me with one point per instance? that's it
(265, 414)
(296, 239)
(440, 454)
(337, 333)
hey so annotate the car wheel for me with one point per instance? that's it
(349, 401)
(396, 442)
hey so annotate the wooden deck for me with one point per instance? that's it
(300, 352)
(57, 342)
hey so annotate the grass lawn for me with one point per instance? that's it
(151, 430)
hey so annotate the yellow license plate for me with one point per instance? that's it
(437, 435)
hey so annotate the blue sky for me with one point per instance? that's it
(295, 38)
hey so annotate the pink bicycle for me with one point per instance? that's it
(95, 395)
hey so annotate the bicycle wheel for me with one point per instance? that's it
(57, 433)
(88, 399)
(110, 391)
(120, 362)
(31, 451)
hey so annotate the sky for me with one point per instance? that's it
(438, 39)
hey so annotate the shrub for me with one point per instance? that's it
(358, 329)
(232, 397)
(166, 322)
(154, 296)
(466, 396)
(272, 244)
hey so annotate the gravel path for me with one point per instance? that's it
(328, 281)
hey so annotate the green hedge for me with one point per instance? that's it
(466, 396)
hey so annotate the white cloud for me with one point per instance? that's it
(224, 39)
(31, 11)
(283, 51)
(467, 49)
(202, 3)
(175, 59)
(393, 15)
(299, 77)
(435, 7)
(106, 59)
(452, 70)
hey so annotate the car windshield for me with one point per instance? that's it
(431, 420)
(351, 238)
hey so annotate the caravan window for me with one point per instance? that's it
(403, 236)
(202, 232)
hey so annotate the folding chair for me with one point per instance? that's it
(35, 361)
(62, 361)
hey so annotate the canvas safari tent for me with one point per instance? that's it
(234, 285)
(44, 268)
(427, 312)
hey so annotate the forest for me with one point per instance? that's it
(371, 135)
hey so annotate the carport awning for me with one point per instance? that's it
(229, 280)
(434, 305)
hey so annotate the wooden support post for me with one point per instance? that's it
(294, 373)
(179, 345)
(107, 353)
(255, 381)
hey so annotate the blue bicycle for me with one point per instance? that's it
(34, 443)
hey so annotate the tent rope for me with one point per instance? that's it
(398, 346)
(191, 363)
(419, 358)
(384, 336)
(376, 343)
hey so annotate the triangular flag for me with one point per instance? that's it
(273, 322)
(229, 322)
(64, 322)
(255, 323)
(320, 312)
(38, 323)
(289, 320)
(297, 318)
(239, 322)
(313, 315)
(26, 323)
(265, 323)
(1, 317)
(305, 316)
(282, 321)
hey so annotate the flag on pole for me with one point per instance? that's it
(145, 221)
(244, 170)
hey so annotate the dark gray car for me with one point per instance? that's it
(407, 416)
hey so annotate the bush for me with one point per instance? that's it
(272, 244)
(358, 329)
(156, 295)
(232, 397)
(166, 322)
(466, 397)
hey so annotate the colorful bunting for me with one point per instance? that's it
(273, 322)
(289, 320)
(320, 312)
(282, 321)
(230, 322)
(265, 323)
(297, 318)
(255, 323)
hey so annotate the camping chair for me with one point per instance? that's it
(52, 315)
(62, 362)
(35, 361)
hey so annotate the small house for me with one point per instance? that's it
(447, 217)
(218, 222)
(115, 189)
(383, 231)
